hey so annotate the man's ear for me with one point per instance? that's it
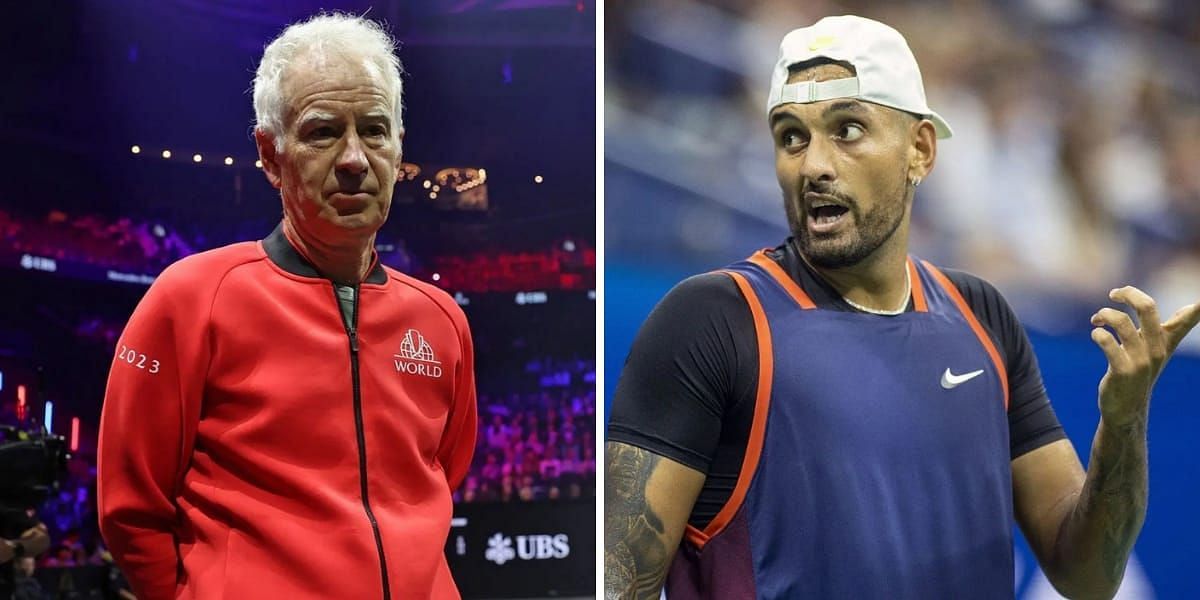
(269, 157)
(400, 156)
(924, 151)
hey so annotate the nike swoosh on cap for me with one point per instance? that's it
(951, 381)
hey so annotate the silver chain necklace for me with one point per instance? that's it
(888, 313)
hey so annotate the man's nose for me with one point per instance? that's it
(817, 164)
(352, 159)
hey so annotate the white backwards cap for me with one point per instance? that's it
(886, 70)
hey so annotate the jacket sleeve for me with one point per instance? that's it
(458, 439)
(147, 427)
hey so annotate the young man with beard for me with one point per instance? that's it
(832, 418)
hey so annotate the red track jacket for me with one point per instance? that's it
(253, 445)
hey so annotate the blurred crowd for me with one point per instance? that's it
(1077, 132)
(537, 445)
(566, 265)
(116, 243)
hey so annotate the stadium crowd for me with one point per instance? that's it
(119, 243)
(1072, 166)
(535, 446)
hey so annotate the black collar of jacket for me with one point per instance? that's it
(281, 252)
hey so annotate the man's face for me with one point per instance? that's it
(341, 150)
(843, 167)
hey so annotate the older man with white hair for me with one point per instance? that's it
(287, 418)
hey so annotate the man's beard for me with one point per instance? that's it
(870, 230)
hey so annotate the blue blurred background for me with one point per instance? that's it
(1073, 170)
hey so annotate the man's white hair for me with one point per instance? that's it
(344, 34)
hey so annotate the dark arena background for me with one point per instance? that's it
(130, 123)
(1072, 171)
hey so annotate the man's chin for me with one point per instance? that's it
(832, 261)
(829, 254)
(360, 221)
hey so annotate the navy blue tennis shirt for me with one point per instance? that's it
(846, 454)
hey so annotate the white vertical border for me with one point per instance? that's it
(600, 416)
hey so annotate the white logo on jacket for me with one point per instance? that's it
(416, 356)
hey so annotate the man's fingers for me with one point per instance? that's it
(1112, 350)
(1147, 310)
(1122, 324)
(1178, 326)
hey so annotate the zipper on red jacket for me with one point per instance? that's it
(352, 334)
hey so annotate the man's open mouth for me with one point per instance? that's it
(826, 214)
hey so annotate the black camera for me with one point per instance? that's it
(31, 464)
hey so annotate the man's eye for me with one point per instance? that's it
(851, 132)
(791, 139)
(321, 132)
(377, 131)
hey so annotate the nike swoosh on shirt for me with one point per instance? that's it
(951, 381)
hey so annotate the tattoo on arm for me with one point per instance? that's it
(635, 552)
(1115, 493)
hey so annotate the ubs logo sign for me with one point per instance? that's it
(416, 356)
(529, 547)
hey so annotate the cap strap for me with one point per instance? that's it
(805, 92)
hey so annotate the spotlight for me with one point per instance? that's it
(437, 277)
(166, 154)
(537, 178)
(136, 149)
(427, 184)
(437, 188)
(258, 164)
(197, 158)
(432, 195)
(228, 160)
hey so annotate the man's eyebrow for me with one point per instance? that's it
(316, 116)
(782, 115)
(853, 106)
(378, 116)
